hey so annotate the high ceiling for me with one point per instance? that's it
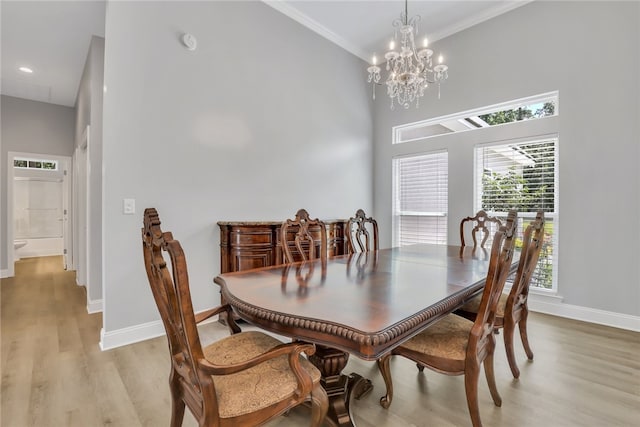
(53, 37)
(364, 27)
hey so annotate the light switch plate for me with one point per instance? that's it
(129, 206)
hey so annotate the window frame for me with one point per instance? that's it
(550, 217)
(461, 159)
(473, 116)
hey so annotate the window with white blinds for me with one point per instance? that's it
(420, 187)
(522, 176)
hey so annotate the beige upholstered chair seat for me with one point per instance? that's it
(258, 387)
(445, 339)
(473, 304)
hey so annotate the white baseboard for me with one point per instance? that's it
(4, 274)
(552, 304)
(130, 335)
(547, 304)
(94, 306)
(134, 334)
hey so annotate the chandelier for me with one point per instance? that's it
(410, 69)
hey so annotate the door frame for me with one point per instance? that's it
(81, 217)
(64, 163)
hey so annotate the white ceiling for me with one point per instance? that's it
(364, 27)
(53, 37)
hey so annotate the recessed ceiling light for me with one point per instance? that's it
(26, 70)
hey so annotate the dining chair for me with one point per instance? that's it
(512, 307)
(303, 238)
(479, 222)
(363, 232)
(247, 378)
(454, 345)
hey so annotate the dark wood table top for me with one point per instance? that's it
(364, 304)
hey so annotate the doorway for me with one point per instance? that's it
(38, 207)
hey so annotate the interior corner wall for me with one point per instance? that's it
(89, 112)
(265, 117)
(31, 127)
(537, 48)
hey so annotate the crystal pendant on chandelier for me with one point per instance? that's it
(410, 69)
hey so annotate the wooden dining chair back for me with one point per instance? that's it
(303, 238)
(512, 307)
(362, 233)
(454, 345)
(247, 378)
(481, 223)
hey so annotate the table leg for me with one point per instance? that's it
(338, 386)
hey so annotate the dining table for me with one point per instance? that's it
(363, 304)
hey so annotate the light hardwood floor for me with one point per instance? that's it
(54, 374)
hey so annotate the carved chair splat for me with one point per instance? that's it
(454, 345)
(512, 308)
(357, 233)
(479, 222)
(303, 241)
(218, 382)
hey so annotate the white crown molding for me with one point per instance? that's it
(479, 18)
(320, 29)
(315, 26)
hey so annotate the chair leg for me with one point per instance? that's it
(509, 330)
(491, 378)
(385, 370)
(319, 405)
(471, 375)
(522, 325)
(177, 404)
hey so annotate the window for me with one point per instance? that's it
(511, 163)
(534, 107)
(522, 176)
(21, 163)
(420, 198)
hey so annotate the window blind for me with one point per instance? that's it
(420, 198)
(521, 176)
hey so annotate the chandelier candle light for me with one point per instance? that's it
(410, 69)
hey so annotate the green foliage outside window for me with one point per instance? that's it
(519, 114)
(526, 190)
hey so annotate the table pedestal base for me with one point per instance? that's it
(339, 387)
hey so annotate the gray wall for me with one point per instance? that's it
(31, 127)
(89, 112)
(590, 52)
(264, 118)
